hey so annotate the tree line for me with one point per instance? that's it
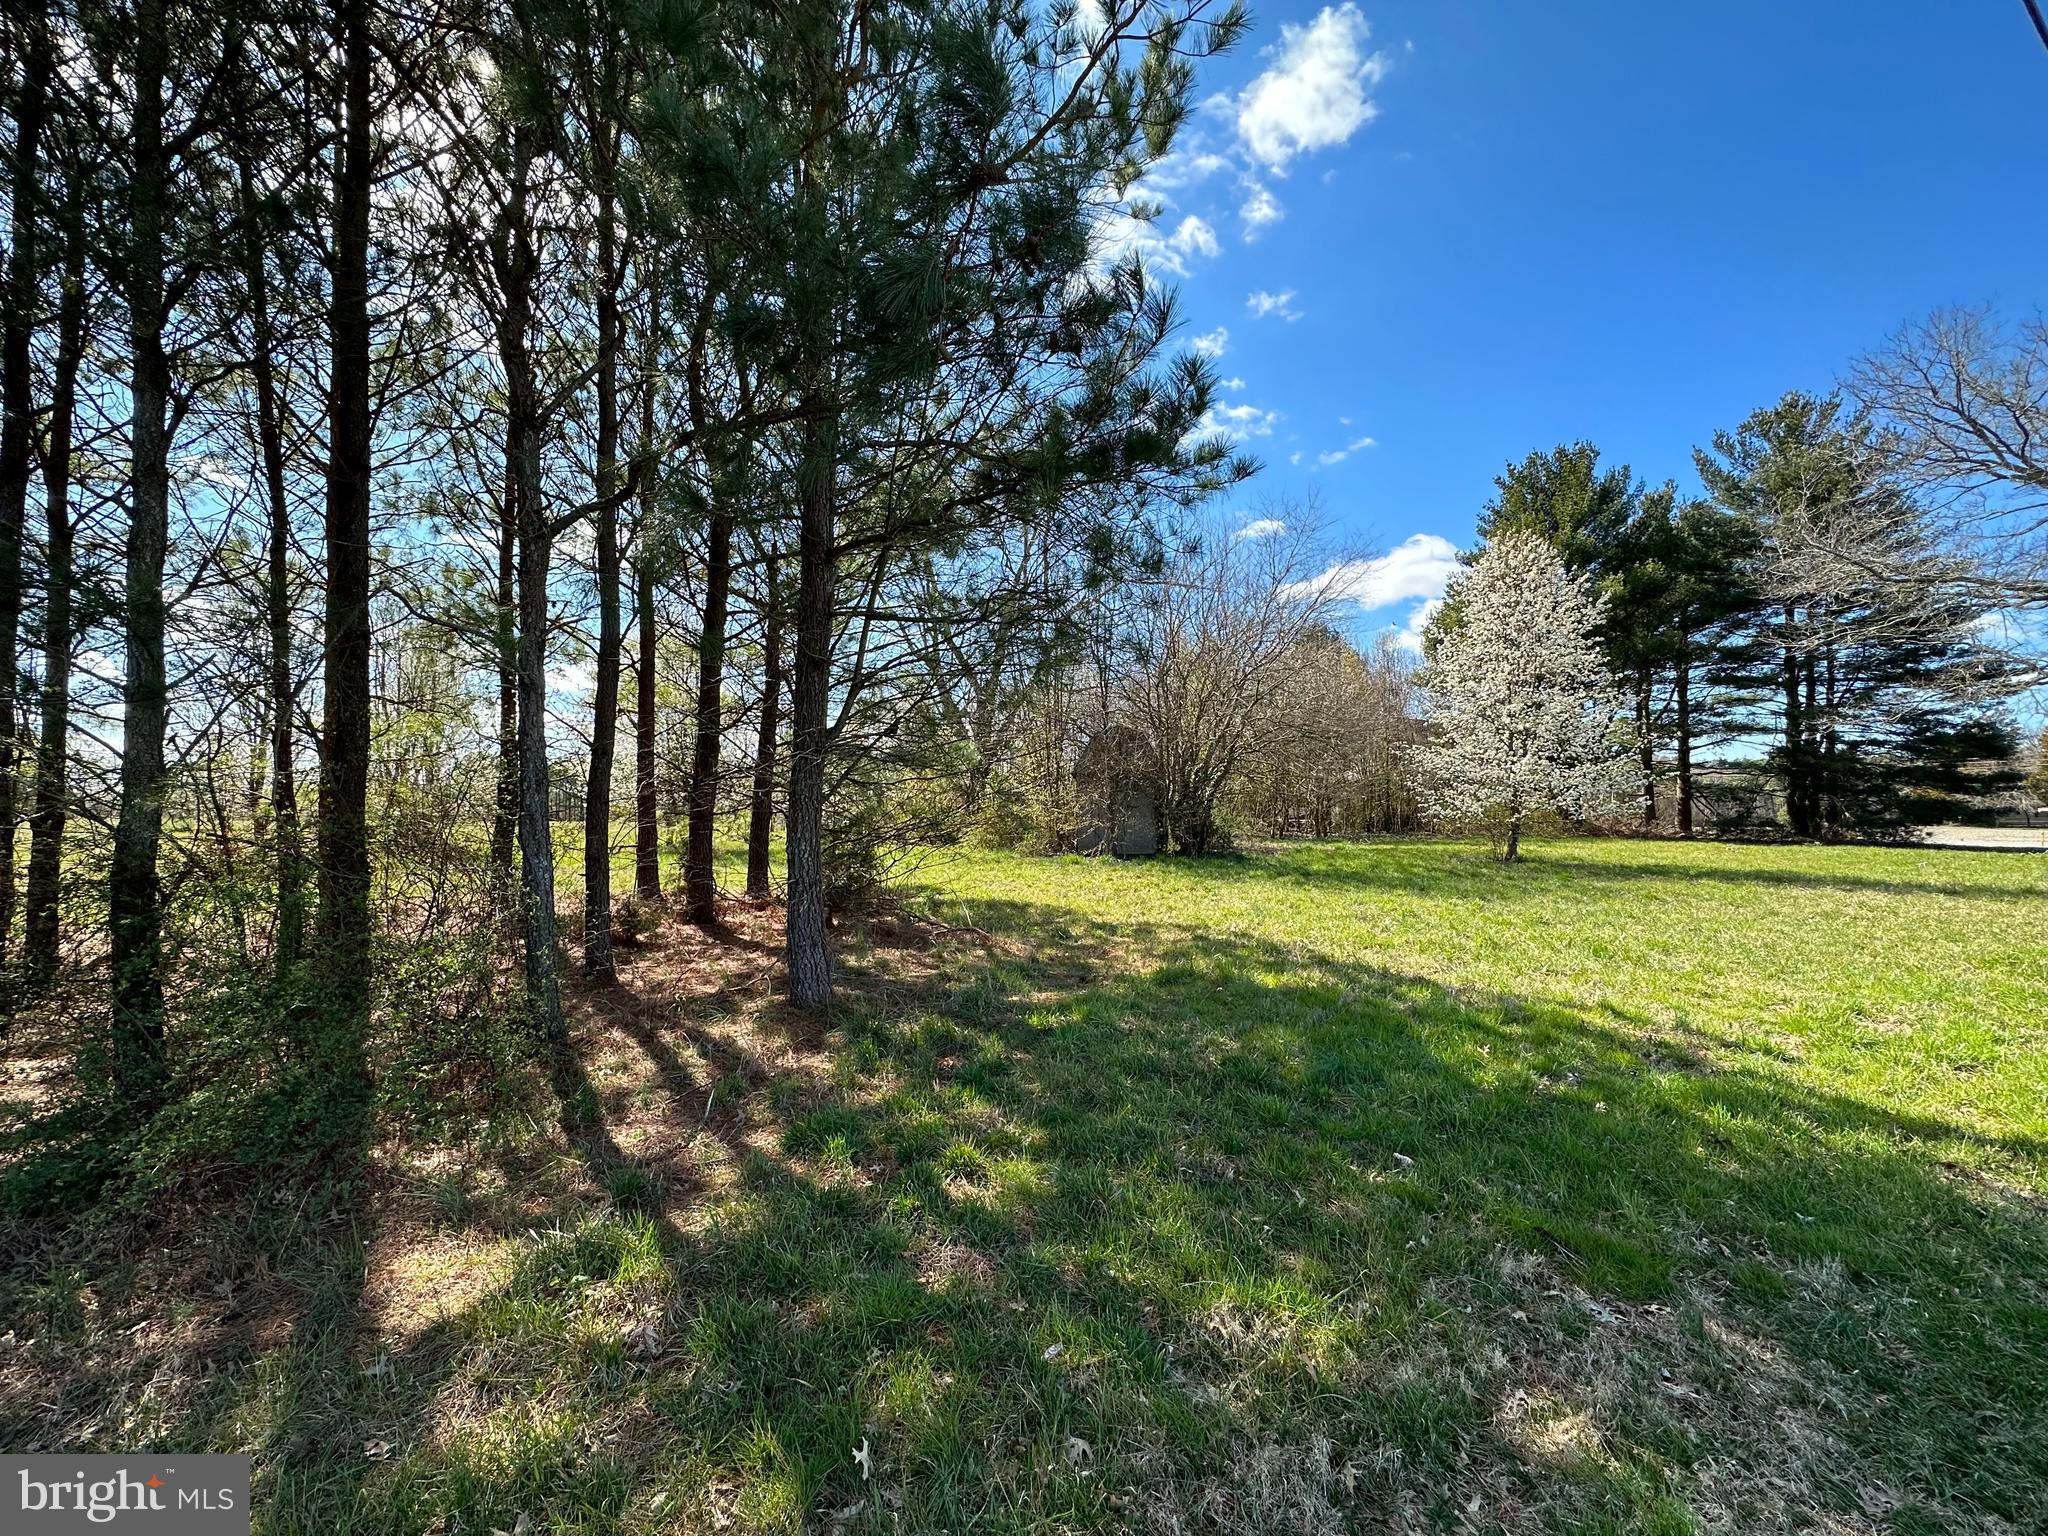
(1829, 609)
(755, 370)
(378, 384)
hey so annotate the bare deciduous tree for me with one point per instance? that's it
(1964, 396)
(1218, 645)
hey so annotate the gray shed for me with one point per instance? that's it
(1119, 811)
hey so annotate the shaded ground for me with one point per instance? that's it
(1377, 1189)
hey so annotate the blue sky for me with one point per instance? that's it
(1427, 236)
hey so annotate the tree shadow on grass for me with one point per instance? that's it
(1248, 1115)
(1240, 1237)
(1250, 1239)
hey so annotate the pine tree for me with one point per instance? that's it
(909, 206)
(1866, 628)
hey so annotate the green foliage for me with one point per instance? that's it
(1863, 627)
(1807, 600)
(1566, 498)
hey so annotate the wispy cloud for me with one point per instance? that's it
(1419, 566)
(1186, 167)
(1212, 344)
(1313, 94)
(1262, 304)
(1194, 236)
(1409, 635)
(1339, 455)
(1259, 208)
(1122, 233)
(1415, 571)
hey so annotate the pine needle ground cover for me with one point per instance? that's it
(1641, 1187)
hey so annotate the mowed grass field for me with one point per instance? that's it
(1641, 1187)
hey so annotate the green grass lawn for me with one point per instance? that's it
(1641, 1187)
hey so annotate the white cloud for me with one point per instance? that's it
(1418, 567)
(1119, 234)
(1259, 208)
(1261, 528)
(1339, 455)
(1263, 304)
(1313, 95)
(1415, 571)
(1236, 421)
(1194, 235)
(1184, 168)
(1213, 344)
(1233, 383)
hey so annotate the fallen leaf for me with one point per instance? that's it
(864, 1459)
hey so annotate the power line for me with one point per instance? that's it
(2040, 21)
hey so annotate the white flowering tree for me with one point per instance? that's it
(1524, 715)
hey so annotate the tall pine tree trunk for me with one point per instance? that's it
(604, 726)
(1794, 734)
(646, 694)
(505, 812)
(523, 432)
(761, 808)
(52, 807)
(700, 886)
(134, 887)
(17, 427)
(1682, 742)
(342, 934)
(284, 801)
(536, 833)
(1832, 813)
(808, 951)
(1646, 748)
(646, 671)
(1810, 747)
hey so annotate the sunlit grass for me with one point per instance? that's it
(1641, 1187)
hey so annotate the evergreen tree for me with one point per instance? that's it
(909, 203)
(1866, 630)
